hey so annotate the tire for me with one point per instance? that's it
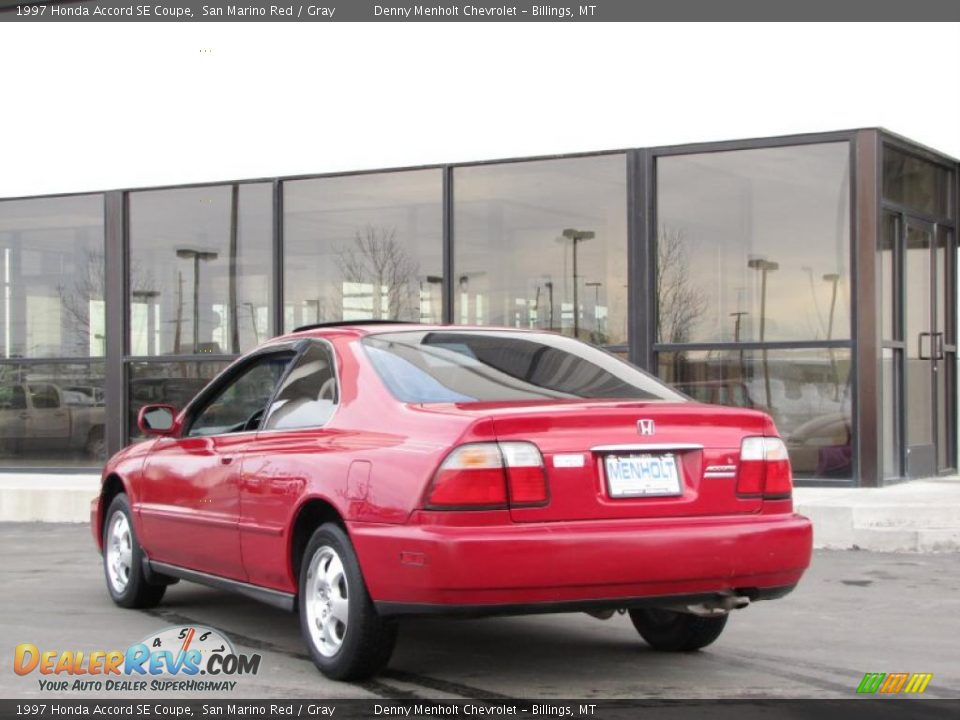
(346, 637)
(96, 446)
(123, 560)
(671, 631)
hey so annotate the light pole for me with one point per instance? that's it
(576, 236)
(196, 256)
(765, 267)
(145, 296)
(737, 319)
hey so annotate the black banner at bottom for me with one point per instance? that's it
(852, 709)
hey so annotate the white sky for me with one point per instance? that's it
(97, 106)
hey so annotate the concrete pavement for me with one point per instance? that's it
(854, 612)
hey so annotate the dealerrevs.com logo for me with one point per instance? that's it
(180, 658)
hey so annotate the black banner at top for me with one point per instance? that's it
(478, 11)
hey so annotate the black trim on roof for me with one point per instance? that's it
(349, 323)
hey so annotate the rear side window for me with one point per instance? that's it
(459, 367)
(309, 394)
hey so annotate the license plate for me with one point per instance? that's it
(642, 475)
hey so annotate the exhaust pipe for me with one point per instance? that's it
(720, 605)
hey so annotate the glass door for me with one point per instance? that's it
(928, 267)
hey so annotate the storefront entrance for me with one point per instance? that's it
(929, 270)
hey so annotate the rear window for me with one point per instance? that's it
(460, 367)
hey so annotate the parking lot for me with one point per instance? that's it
(855, 612)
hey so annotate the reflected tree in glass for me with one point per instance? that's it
(380, 272)
(680, 301)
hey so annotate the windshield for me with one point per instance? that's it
(492, 366)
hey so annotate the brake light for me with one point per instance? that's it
(764, 468)
(526, 479)
(489, 475)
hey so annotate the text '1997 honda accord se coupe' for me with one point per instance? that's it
(362, 472)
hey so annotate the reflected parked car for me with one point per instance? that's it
(43, 416)
(363, 473)
(822, 447)
(733, 393)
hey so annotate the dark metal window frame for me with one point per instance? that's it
(646, 353)
(866, 212)
(885, 139)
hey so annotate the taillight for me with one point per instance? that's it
(526, 479)
(764, 468)
(489, 476)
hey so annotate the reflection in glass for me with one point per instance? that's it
(51, 277)
(890, 402)
(889, 285)
(166, 383)
(543, 244)
(754, 245)
(916, 183)
(200, 269)
(363, 247)
(807, 392)
(52, 414)
(918, 335)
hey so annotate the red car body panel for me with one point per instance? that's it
(227, 505)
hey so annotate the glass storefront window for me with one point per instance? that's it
(543, 244)
(170, 383)
(52, 277)
(754, 245)
(363, 247)
(915, 183)
(807, 392)
(52, 415)
(200, 269)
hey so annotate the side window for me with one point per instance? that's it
(44, 397)
(12, 397)
(239, 405)
(309, 394)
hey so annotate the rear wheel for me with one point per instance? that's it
(672, 631)
(346, 637)
(123, 560)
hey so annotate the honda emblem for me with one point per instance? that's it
(645, 426)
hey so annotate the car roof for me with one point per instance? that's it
(364, 328)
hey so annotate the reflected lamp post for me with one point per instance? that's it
(575, 237)
(765, 267)
(146, 296)
(197, 256)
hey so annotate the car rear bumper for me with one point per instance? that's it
(427, 568)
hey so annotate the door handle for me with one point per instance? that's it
(938, 347)
(920, 338)
(226, 459)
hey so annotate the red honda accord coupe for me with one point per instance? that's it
(364, 472)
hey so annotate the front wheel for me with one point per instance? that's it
(346, 637)
(123, 560)
(672, 631)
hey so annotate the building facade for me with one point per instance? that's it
(812, 277)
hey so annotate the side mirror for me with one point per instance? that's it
(156, 419)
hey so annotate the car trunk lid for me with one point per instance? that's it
(583, 443)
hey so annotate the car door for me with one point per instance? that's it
(13, 414)
(49, 421)
(189, 504)
(293, 445)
